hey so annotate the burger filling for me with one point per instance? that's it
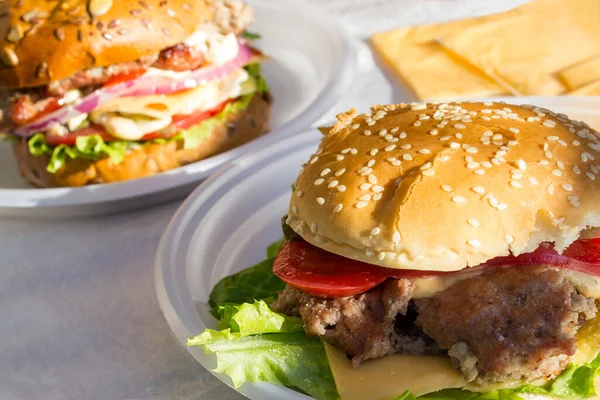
(173, 95)
(510, 322)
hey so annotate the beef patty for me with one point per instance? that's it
(505, 324)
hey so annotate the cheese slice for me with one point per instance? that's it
(388, 377)
(526, 47)
(581, 74)
(131, 118)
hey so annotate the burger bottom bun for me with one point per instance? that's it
(151, 158)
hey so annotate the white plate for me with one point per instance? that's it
(227, 223)
(313, 63)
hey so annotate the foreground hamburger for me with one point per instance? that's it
(440, 250)
(100, 91)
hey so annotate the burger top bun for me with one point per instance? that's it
(447, 186)
(47, 40)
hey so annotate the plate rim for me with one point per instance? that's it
(327, 97)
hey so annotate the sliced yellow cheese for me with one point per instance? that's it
(581, 74)
(386, 378)
(432, 73)
(526, 47)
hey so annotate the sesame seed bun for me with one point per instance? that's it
(447, 186)
(43, 41)
(150, 158)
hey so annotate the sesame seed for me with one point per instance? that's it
(377, 189)
(533, 180)
(424, 151)
(417, 107)
(454, 145)
(446, 188)
(325, 171)
(549, 123)
(320, 200)
(390, 147)
(375, 231)
(417, 123)
(353, 151)
(366, 172)
(339, 157)
(478, 189)
(341, 188)
(346, 150)
(458, 135)
(474, 243)
(479, 172)
(472, 165)
(544, 162)
(516, 184)
(590, 175)
(521, 164)
(492, 200)
(383, 132)
(486, 164)
(396, 237)
(370, 163)
(557, 172)
(367, 133)
(513, 130)
(338, 208)
(472, 150)
(313, 227)
(319, 181)
(509, 239)
(332, 184)
(497, 136)
(407, 157)
(444, 138)
(372, 179)
(548, 154)
(381, 256)
(369, 252)
(299, 193)
(550, 189)
(516, 176)
(365, 197)
(488, 133)
(502, 206)
(361, 204)
(444, 158)
(425, 166)
(460, 126)
(429, 172)
(377, 196)
(340, 172)
(473, 222)
(406, 146)
(402, 135)
(575, 142)
(365, 186)
(459, 199)
(552, 138)
(567, 186)
(371, 123)
(319, 239)
(576, 169)
(355, 126)
(433, 132)
(314, 159)
(394, 130)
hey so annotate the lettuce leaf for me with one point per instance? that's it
(256, 344)
(255, 283)
(576, 382)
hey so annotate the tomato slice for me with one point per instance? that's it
(124, 77)
(187, 121)
(324, 274)
(70, 138)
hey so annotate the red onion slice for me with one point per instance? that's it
(145, 85)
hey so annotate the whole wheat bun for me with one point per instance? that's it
(150, 158)
(47, 40)
(447, 186)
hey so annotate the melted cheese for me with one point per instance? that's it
(586, 284)
(131, 118)
(386, 378)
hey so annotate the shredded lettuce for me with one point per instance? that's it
(256, 344)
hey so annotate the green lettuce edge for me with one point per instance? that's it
(93, 147)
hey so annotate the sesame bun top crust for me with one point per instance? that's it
(447, 186)
(47, 40)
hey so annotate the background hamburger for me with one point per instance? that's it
(100, 91)
(440, 250)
